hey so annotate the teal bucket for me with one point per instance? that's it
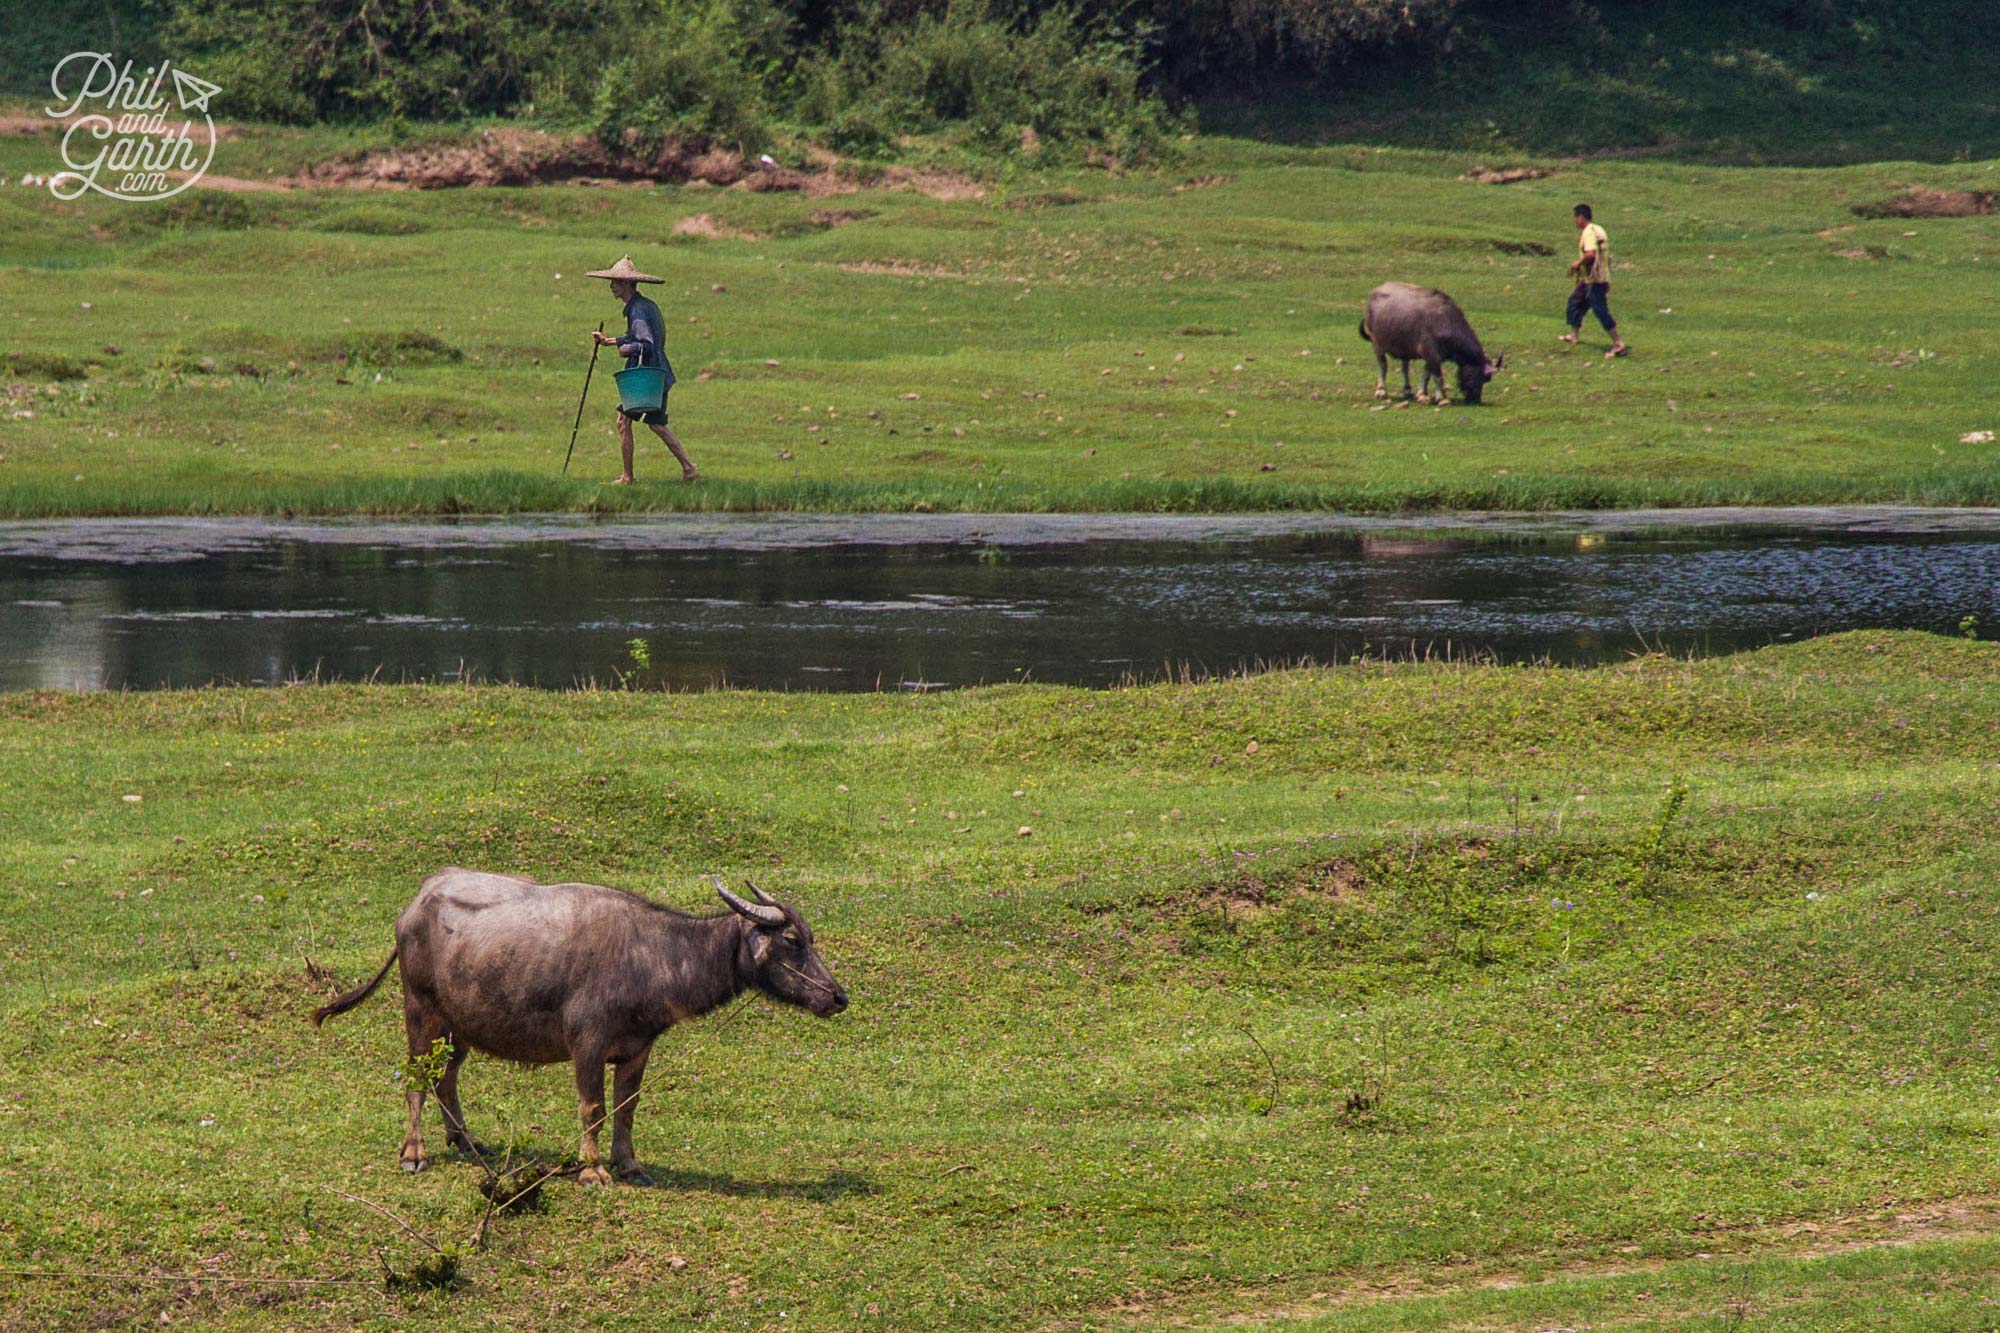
(642, 389)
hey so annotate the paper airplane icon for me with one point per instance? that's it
(194, 93)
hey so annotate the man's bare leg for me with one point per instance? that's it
(688, 470)
(625, 449)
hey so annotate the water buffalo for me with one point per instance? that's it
(546, 972)
(1414, 323)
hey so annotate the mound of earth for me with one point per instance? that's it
(705, 225)
(528, 157)
(513, 156)
(1505, 175)
(1920, 203)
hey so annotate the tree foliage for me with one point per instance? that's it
(300, 60)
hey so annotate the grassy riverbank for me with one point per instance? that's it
(1326, 996)
(1079, 341)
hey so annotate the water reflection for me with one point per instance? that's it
(555, 612)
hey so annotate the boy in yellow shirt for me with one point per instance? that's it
(1592, 271)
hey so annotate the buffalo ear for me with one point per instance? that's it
(1499, 361)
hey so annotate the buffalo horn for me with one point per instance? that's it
(762, 896)
(763, 916)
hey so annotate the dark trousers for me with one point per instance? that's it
(1595, 296)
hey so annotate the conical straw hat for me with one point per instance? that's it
(625, 269)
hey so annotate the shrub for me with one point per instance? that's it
(298, 60)
(1077, 84)
(411, 348)
(1190, 42)
(694, 71)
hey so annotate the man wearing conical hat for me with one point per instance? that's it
(644, 343)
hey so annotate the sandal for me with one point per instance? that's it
(1616, 351)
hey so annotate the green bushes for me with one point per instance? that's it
(1056, 80)
(687, 71)
(303, 60)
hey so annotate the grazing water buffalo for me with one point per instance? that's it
(547, 972)
(1414, 323)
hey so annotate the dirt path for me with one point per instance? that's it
(1888, 1227)
(29, 122)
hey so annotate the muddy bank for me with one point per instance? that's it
(1922, 203)
(533, 157)
(525, 157)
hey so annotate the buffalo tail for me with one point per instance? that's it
(343, 1003)
(1362, 328)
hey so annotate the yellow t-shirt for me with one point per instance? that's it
(1593, 247)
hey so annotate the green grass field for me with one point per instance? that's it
(1177, 340)
(1391, 996)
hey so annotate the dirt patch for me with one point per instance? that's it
(526, 157)
(515, 156)
(1505, 175)
(1202, 183)
(1862, 252)
(766, 180)
(900, 268)
(1920, 203)
(828, 180)
(1051, 199)
(23, 122)
(821, 184)
(1523, 248)
(705, 225)
(234, 184)
(827, 218)
(1248, 896)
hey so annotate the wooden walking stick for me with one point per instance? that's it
(594, 345)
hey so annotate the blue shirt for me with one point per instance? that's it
(645, 340)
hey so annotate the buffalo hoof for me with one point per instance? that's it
(635, 1175)
(415, 1164)
(592, 1176)
(472, 1148)
(1381, 392)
